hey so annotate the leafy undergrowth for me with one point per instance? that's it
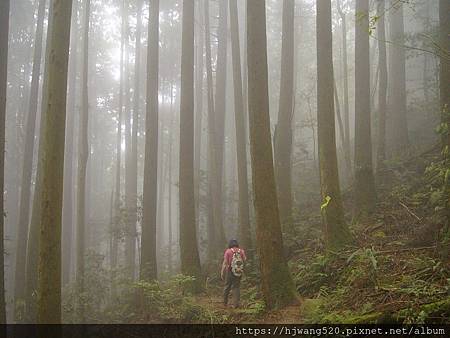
(399, 269)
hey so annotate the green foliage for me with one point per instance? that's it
(95, 296)
(310, 277)
(253, 305)
(171, 301)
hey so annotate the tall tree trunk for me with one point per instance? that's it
(364, 190)
(382, 91)
(397, 83)
(338, 114)
(212, 153)
(336, 232)
(68, 190)
(220, 110)
(117, 198)
(425, 72)
(346, 106)
(241, 138)
(276, 282)
(4, 38)
(199, 68)
(148, 246)
(130, 233)
(27, 166)
(283, 135)
(190, 260)
(134, 135)
(83, 155)
(49, 278)
(171, 140)
(32, 262)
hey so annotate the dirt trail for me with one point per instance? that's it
(213, 303)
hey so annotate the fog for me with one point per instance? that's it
(160, 159)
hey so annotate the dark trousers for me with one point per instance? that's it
(232, 283)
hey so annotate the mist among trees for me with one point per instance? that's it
(139, 137)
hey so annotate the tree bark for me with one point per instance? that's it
(241, 134)
(134, 131)
(220, 110)
(130, 231)
(382, 91)
(338, 114)
(49, 278)
(283, 138)
(276, 282)
(4, 38)
(148, 246)
(32, 264)
(68, 217)
(397, 83)
(346, 106)
(190, 260)
(83, 156)
(27, 164)
(364, 189)
(336, 232)
(212, 146)
(170, 230)
(199, 68)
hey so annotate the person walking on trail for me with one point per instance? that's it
(232, 270)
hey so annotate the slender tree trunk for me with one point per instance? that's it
(425, 72)
(134, 131)
(346, 106)
(212, 153)
(336, 232)
(220, 110)
(162, 194)
(338, 114)
(364, 189)
(171, 140)
(148, 246)
(83, 155)
(49, 278)
(241, 138)
(68, 216)
(190, 260)
(4, 29)
(276, 282)
(27, 166)
(397, 94)
(111, 227)
(117, 198)
(199, 68)
(382, 92)
(130, 233)
(283, 138)
(32, 262)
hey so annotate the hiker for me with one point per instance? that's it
(232, 270)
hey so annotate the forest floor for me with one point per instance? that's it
(398, 269)
(214, 304)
